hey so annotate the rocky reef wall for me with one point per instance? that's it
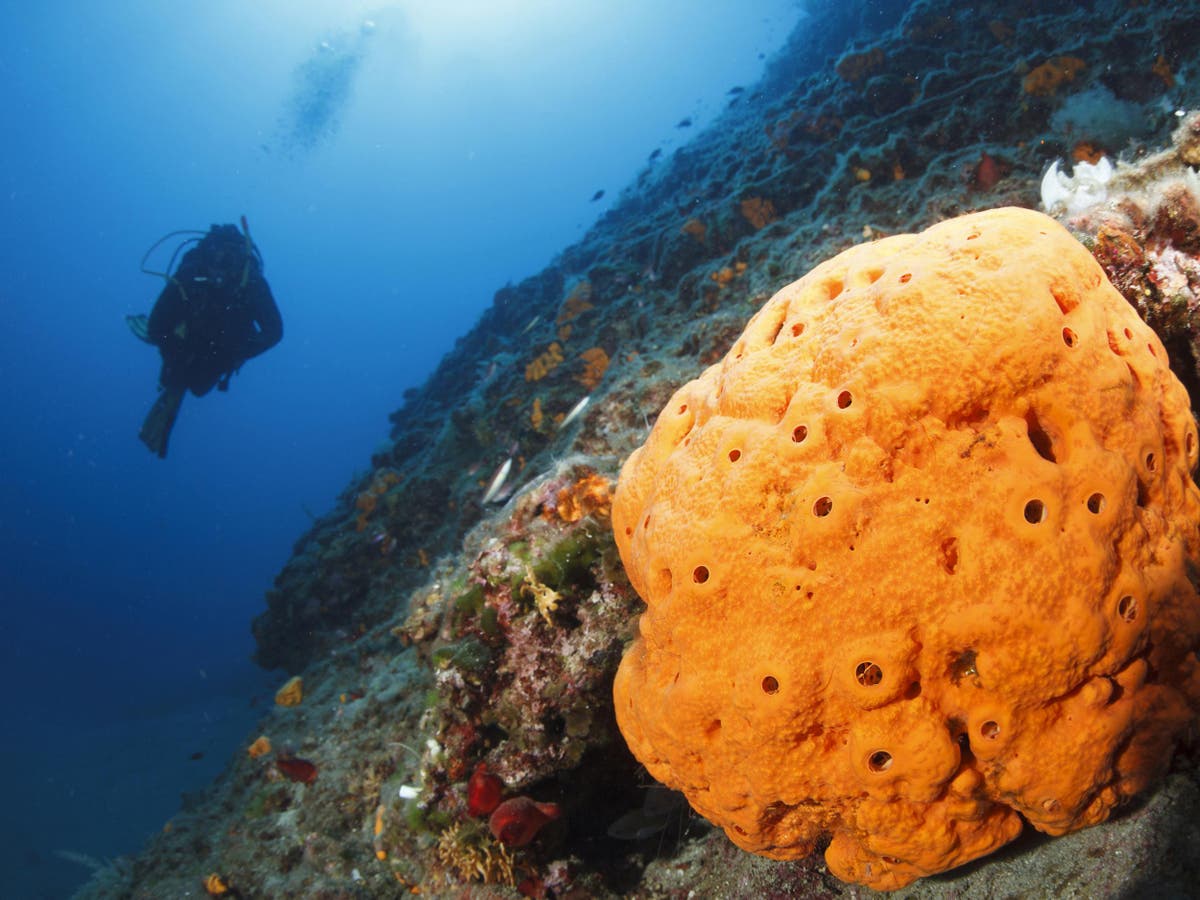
(458, 616)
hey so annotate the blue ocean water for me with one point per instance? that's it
(397, 163)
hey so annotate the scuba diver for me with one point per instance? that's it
(215, 312)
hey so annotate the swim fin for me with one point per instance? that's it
(156, 429)
(140, 326)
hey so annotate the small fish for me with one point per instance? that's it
(297, 769)
(656, 154)
(684, 123)
(497, 482)
(734, 91)
(574, 413)
(659, 808)
(199, 754)
(596, 196)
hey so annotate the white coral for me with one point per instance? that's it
(1084, 188)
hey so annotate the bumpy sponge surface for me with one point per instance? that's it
(916, 557)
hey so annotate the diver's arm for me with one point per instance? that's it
(266, 317)
(168, 312)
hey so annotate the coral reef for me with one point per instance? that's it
(457, 617)
(917, 561)
(1142, 223)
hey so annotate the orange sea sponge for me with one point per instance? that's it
(1045, 79)
(758, 211)
(590, 495)
(260, 747)
(292, 692)
(545, 362)
(595, 364)
(915, 557)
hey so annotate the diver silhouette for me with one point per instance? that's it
(215, 312)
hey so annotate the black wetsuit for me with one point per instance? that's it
(215, 313)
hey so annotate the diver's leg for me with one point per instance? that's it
(156, 429)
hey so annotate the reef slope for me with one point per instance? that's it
(445, 641)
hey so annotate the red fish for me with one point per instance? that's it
(297, 769)
(483, 791)
(516, 822)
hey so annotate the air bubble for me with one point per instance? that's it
(990, 729)
(1070, 338)
(844, 399)
(735, 455)
(1095, 503)
(906, 278)
(1035, 512)
(799, 433)
(823, 507)
(700, 574)
(770, 685)
(798, 329)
